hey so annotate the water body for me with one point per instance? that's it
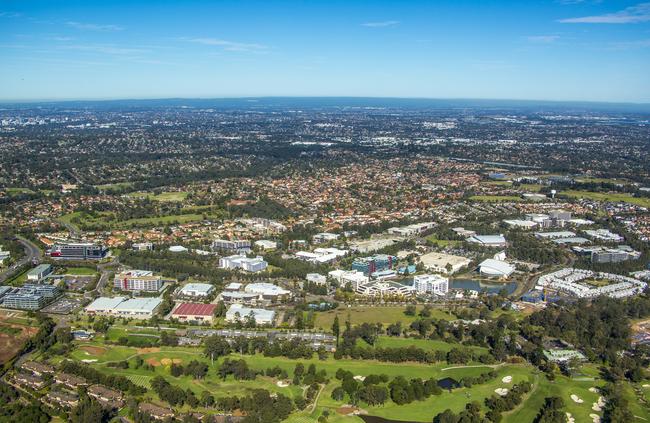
(448, 383)
(479, 286)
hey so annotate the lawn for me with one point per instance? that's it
(612, 197)
(442, 242)
(18, 191)
(114, 187)
(79, 271)
(495, 198)
(108, 219)
(163, 196)
(371, 314)
(531, 187)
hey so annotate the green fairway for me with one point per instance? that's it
(609, 197)
(371, 314)
(18, 191)
(417, 411)
(495, 198)
(118, 186)
(108, 220)
(443, 242)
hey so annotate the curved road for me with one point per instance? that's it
(32, 255)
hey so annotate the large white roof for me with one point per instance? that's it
(105, 303)
(139, 305)
(496, 268)
(201, 288)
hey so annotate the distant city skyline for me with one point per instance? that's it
(564, 50)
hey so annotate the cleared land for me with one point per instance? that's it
(611, 197)
(12, 338)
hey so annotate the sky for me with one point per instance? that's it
(584, 50)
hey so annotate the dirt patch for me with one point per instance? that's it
(10, 344)
(148, 350)
(93, 349)
(347, 410)
(153, 362)
(169, 361)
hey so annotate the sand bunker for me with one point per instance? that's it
(645, 385)
(576, 399)
(569, 418)
(360, 378)
(501, 391)
(506, 379)
(593, 389)
(595, 418)
(148, 350)
(153, 362)
(88, 361)
(282, 383)
(598, 406)
(169, 361)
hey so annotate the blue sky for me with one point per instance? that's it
(552, 50)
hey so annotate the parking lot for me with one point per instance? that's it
(64, 305)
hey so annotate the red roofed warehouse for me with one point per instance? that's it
(194, 312)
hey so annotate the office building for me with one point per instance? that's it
(256, 264)
(138, 280)
(138, 308)
(39, 272)
(372, 264)
(237, 312)
(267, 291)
(431, 284)
(196, 290)
(79, 251)
(30, 297)
(488, 240)
(238, 246)
(496, 268)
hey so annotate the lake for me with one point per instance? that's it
(490, 288)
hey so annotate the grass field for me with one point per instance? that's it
(79, 271)
(425, 344)
(371, 314)
(114, 187)
(442, 242)
(163, 196)
(609, 197)
(109, 220)
(495, 198)
(18, 191)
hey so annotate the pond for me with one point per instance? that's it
(490, 288)
(448, 383)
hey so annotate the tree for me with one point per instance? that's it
(88, 411)
(336, 329)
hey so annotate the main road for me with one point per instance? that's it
(32, 255)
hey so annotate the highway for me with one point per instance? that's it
(32, 254)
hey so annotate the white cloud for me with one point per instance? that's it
(632, 14)
(381, 24)
(228, 45)
(94, 27)
(543, 39)
(105, 49)
(10, 15)
(629, 45)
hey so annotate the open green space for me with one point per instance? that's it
(612, 197)
(495, 198)
(114, 187)
(18, 191)
(79, 271)
(163, 196)
(418, 411)
(531, 187)
(442, 242)
(372, 314)
(109, 220)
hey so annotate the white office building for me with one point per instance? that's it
(256, 264)
(238, 312)
(431, 284)
(316, 278)
(196, 290)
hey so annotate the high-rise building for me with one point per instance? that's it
(377, 263)
(138, 280)
(431, 284)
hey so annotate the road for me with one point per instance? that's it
(32, 255)
(105, 269)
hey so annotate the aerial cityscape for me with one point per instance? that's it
(188, 246)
